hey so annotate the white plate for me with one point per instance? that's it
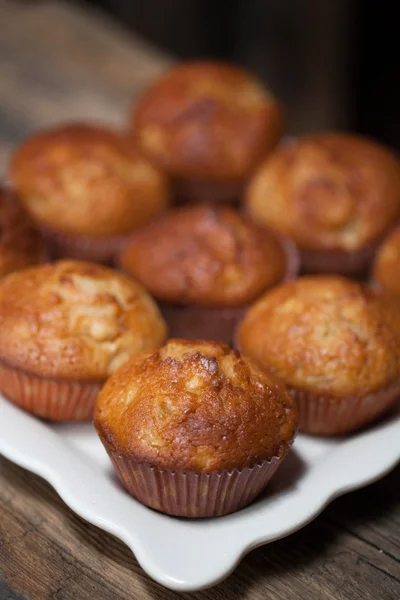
(188, 555)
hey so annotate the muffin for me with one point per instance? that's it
(65, 327)
(205, 263)
(336, 195)
(21, 245)
(208, 124)
(335, 343)
(87, 187)
(386, 267)
(193, 429)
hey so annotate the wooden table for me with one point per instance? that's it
(60, 63)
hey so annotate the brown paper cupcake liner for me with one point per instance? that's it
(190, 494)
(196, 322)
(356, 262)
(65, 245)
(186, 190)
(51, 399)
(292, 257)
(327, 415)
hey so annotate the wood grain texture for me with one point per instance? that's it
(62, 63)
(278, 40)
(351, 552)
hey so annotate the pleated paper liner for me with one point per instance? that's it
(186, 190)
(104, 250)
(190, 494)
(55, 400)
(355, 262)
(197, 322)
(328, 415)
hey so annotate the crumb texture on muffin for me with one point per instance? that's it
(386, 268)
(328, 191)
(205, 256)
(195, 406)
(75, 320)
(87, 180)
(325, 335)
(207, 120)
(21, 245)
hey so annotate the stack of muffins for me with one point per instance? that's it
(195, 224)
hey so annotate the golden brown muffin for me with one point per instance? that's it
(206, 257)
(193, 407)
(71, 322)
(386, 268)
(21, 245)
(207, 122)
(335, 194)
(87, 184)
(336, 344)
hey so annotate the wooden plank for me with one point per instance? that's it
(46, 551)
(59, 63)
(278, 42)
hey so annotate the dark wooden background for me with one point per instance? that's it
(60, 62)
(277, 40)
(334, 64)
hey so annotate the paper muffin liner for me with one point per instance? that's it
(51, 399)
(104, 250)
(194, 495)
(186, 190)
(292, 257)
(196, 322)
(220, 324)
(356, 262)
(328, 415)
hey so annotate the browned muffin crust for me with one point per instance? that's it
(206, 256)
(75, 320)
(207, 120)
(195, 406)
(328, 191)
(325, 335)
(21, 245)
(386, 268)
(87, 180)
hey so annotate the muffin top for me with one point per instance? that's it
(326, 335)
(196, 406)
(386, 268)
(75, 320)
(87, 180)
(205, 255)
(21, 245)
(207, 120)
(327, 191)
